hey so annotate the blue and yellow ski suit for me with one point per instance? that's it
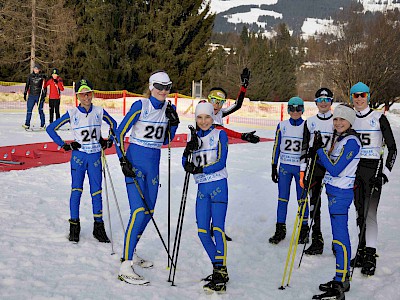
(149, 132)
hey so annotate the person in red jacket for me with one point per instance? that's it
(56, 86)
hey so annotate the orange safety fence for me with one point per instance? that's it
(252, 113)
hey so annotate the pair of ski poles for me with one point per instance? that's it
(179, 226)
(298, 223)
(147, 207)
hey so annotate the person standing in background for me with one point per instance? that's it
(34, 86)
(372, 174)
(56, 86)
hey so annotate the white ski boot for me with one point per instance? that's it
(137, 260)
(128, 274)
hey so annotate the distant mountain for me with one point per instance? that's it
(263, 15)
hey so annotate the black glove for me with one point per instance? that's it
(245, 77)
(378, 181)
(172, 115)
(105, 143)
(250, 137)
(192, 169)
(25, 96)
(318, 142)
(126, 167)
(192, 146)
(71, 146)
(274, 174)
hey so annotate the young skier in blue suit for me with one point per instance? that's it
(209, 169)
(287, 149)
(341, 162)
(85, 121)
(154, 122)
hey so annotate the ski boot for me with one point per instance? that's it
(218, 280)
(100, 233)
(317, 245)
(209, 277)
(303, 238)
(358, 260)
(335, 291)
(128, 274)
(326, 286)
(74, 230)
(141, 262)
(280, 233)
(369, 266)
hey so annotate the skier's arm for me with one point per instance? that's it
(129, 120)
(389, 141)
(222, 155)
(60, 83)
(28, 82)
(304, 147)
(277, 146)
(349, 152)
(51, 129)
(229, 132)
(111, 122)
(237, 105)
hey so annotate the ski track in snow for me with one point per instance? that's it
(38, 262)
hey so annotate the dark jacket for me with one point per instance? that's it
(34, 85)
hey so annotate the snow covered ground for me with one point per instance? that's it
(38, 262)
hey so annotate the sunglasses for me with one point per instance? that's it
(294, 108)
(162, 87)
(362, 95)
(216, 100)
(323, 99)
(84, 94)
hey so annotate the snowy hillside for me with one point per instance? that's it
(305, 17)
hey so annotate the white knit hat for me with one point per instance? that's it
(159, 77)
(205, 108)
(345, 112)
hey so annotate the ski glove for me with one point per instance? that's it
(245, 77)
(105, 143)
(126, 167)
(378, 181)
(192, 145)
(25, 96)
(71, 146)
(274, 174)
(192, 169)
(318, 142)
(250, 137)
(172, 115)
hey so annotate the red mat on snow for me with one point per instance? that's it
(22, 157)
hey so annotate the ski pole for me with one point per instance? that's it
(142, 196)
(103, 158)
(312, 221)
(169, 185)
(362, 231)
(114, 194)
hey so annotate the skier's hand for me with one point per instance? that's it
(105, 143)
(274, 174)
(250, 137)
(378, 181)
(303, 182)
(172, 115)
(71, 146)
(126, 167)
(245, 77)
(192, 169)
(25, 97)
(318, 142)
